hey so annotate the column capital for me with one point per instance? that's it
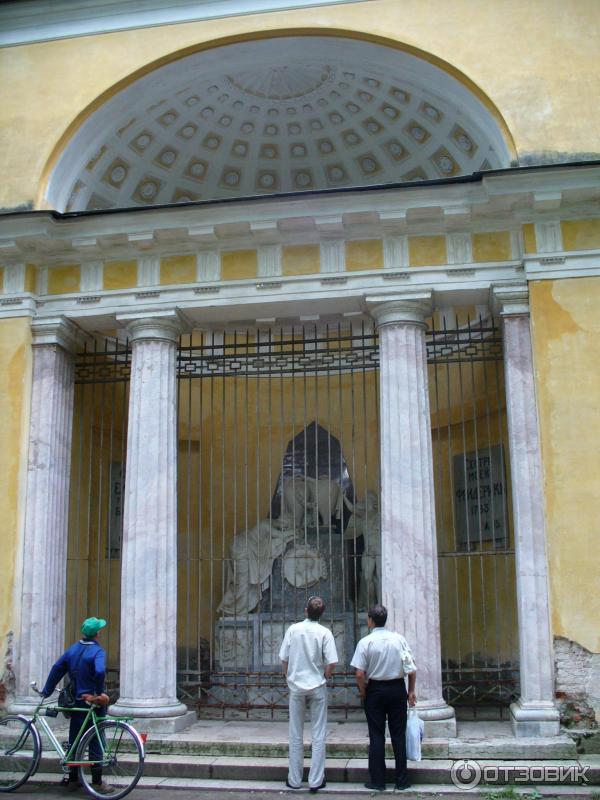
(408, 307)
(56, 331)
(165, 325)
(510, 299)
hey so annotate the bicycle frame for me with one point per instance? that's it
(38, 719)
(66, 757)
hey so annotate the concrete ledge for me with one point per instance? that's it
(278, 789)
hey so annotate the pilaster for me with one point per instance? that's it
(534, 713)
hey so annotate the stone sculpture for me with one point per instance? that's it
(366, 522)
(312, 500)
(251, 562)
(303, 566)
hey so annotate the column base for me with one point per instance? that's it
(154, 716)
(439, 719)
(162, 725)
(531, 719)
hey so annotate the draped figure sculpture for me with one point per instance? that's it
(312, 500)
(250, 564)
(366, 522)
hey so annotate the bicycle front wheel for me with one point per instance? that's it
(20, 750)
(118, 758)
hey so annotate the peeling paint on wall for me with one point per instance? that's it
(576, 681)
(7, 676)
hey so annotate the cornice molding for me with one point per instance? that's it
(553, 266)
(45, 20)
(336, 293)
(499, 201)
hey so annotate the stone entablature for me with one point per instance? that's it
(254, 255)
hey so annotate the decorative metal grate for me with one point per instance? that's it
(257, 408)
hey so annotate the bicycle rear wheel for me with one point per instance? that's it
(20, 750)
(121, 758)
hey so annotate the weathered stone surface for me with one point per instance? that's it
(577, 679)
(149, 607)
(408, 528)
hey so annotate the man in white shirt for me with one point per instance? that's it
(308, 656)
(382, 659)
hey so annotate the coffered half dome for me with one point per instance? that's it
(287, 114)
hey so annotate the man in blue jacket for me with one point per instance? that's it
(85, 663)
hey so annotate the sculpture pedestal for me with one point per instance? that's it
(249, 670)
(247, 647)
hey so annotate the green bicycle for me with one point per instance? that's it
(121, 746)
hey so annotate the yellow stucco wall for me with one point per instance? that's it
(239, 264)
(493, 246)
(581, 234)
(566, 341)
(119, 274)
(178, 269)
(302, 259)
(427, 251)
(367, 254)
(64, 279)
(15, 388)
(529, 238)
(536, 62)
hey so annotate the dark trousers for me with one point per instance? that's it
(386, 700)
(75, 725)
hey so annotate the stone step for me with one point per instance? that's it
(556, 747)
(251, 770)
(334, 789)
(348, 740)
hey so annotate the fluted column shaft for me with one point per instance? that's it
(535, 713)
(410, 588)
(41, 628)
(149, 551)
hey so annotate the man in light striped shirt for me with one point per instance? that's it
(308, 655)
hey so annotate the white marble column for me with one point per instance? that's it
(149, 550)
(410, 586)
(40, 592)
(534, 713)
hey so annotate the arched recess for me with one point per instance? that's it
(284, 113)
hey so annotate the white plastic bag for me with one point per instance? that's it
(414, 733)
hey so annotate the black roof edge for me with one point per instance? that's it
(474, 177)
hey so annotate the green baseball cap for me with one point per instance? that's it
(91, 626)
